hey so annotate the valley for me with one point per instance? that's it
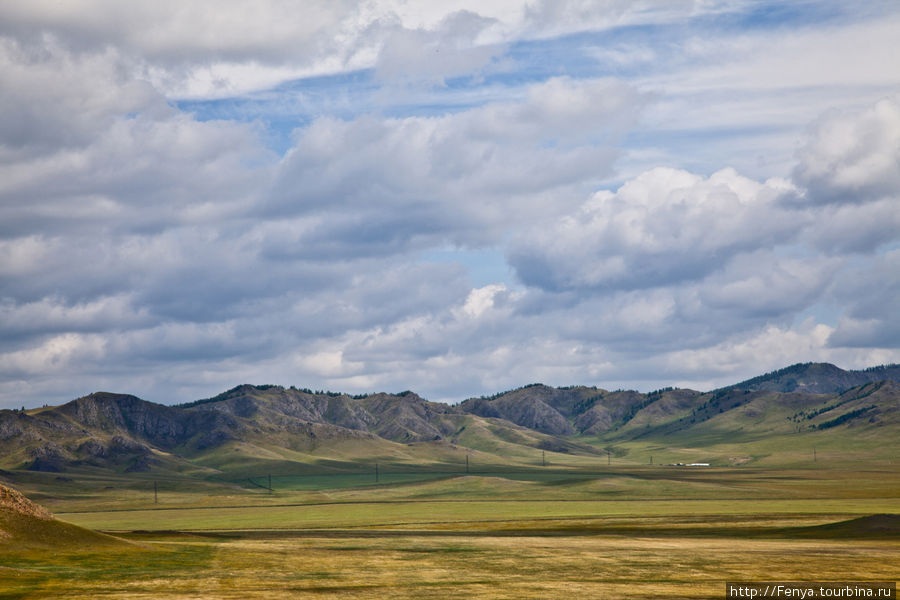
(271, 492)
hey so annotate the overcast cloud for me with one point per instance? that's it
(451, 197)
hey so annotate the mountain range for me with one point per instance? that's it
(290, 427)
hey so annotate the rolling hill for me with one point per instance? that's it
(290, 428)
(263, 423)
(817, 378)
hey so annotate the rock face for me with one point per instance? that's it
(49, 457)
(124, 433)
(560, 411)
(537, 407)
(163, 425)
(13, 501)
(404, 417)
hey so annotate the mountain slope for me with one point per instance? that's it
(249, 424)
(817, 378)
(248, 427)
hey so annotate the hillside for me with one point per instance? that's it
(763, 403)
(286, 428)
(575, 410)
(26, 525)
(817, 378)
(255, 423)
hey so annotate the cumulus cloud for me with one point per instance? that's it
(660, 228)
(756, 84)
(462, 178)
(195, 48)
(191, 49)
(872, 315)
(855, 228)
(853, 157)
(82, 144)
(431, 56)
(152, 250)
(761, 284)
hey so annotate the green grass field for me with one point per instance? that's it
(617, 531)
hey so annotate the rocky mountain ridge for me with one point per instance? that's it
(126, 433)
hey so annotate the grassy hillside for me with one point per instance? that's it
(250, 432)
(817, 378)
(25, 526)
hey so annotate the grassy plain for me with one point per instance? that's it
(411, 566)
(617, 531)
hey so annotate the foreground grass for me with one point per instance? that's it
(413, 566)
(637, 532)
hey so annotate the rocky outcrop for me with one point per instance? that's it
(50, 457)
(164, 426)
(123, 432)
(537, 407)
(13, 501)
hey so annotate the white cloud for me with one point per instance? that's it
(659, 228)
(855, 228)
(192, 49)
(869, 294)
(482, 299)
(147, 250)
(54, 315)
(853, 157)
(451, 49)
(52, 357)
(752, 353)
(463, 178)
(195, 47)
(762, 284)
(748, 93)
(52, 99)
(85, 148)
(559, 17)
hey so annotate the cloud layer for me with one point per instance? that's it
(171, 250)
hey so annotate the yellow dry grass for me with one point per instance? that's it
(472, 568)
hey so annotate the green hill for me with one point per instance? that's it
(817, 378)
(249, 430)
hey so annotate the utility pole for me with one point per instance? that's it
(376, 472)
(608, 459)
(467, 464)
(651, 459)
(270, 483)
(814, 454)
(155, 494)
(543, 459)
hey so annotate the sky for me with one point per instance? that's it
(456, 197)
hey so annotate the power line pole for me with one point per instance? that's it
(270, 483)
(376, 472)
(467, 464)
(543, 459)
(608, 459)
(155, 494)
